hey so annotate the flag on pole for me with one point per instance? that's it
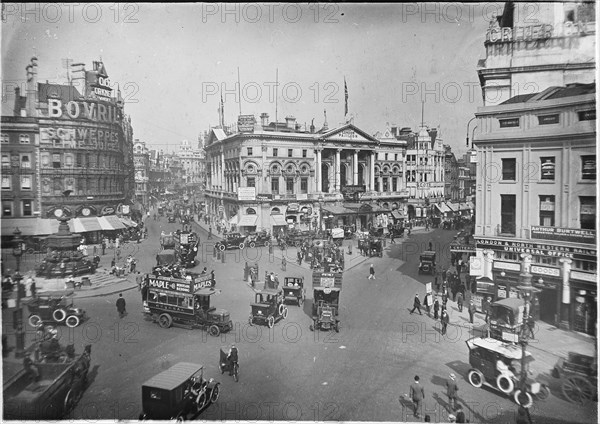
(345, 97)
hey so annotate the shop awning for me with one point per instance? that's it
(337, 210)
(127, 221)
(30, 226)
(247, 221)
(110, 222)
(397, 215)
(233, 219)
(278, 220)
(443, 208)
(85, 225)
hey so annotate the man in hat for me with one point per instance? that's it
(372, 272)
(417, 394)
(472, 310)
(460, 415)
(416, 304)
(121, 306)
(452, 390)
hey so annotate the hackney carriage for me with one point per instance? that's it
(184, 302)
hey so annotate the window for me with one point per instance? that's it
(250, 182)
(303, 185)
(25, 163)
(394, 184)
(6, 208)
(548, 168)
(386, 156)
(6, 182)
(56, 160)
(509, 169)
(5, 161)
(290, 153)
(386, 184)
(588, 167)
(275, 185)
(587, 115)
(396, 157)
(587, 212)
(69, 160)
(547, 211)
(249, 151)
(304, 153)
(289, 185)
(4, 138)
(24, 138)
(27, 208)
(25, 182)
(508, 209)
(274, 151)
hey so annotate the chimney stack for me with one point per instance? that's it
(264, 118)
(32, 87)
(290, 122)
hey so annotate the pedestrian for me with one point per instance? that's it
(444, 297)
(444, 274)
(427, 303)
(472, 310)
(445, 320)
(372, 272)
(460, 415)
(416, 304)
(459, 301)
(531, 326)
(121, 306)
(138, 280)
(118, 254)
(417, 394)
(436, 308)
(132, 266)
(392, 237)
(436, 282)
(209, 233)
(486, 307)
(451, 391)
(283, 263)
(33, 288)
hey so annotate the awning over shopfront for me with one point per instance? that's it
(30, 226)
(397, 215)
(233, 220)
(337, 210)
(110, 223)
(85, 225)
(443, 208)
(247, 221)
(278, 220)
(128, 222)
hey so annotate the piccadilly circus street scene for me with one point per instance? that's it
(299, 212)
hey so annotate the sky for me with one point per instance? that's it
(174, 61)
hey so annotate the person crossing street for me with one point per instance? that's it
(416, 304)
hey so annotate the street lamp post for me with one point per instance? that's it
(18, 314)
(320, 200)
(528, 291)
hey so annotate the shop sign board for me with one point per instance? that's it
(536, 248)
(246, 123)
(584, 276)
(264, 197)
(572, 235)
(247, 193)
(554, 272)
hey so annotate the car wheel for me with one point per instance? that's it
(337, 327)
(72, 321)
(271, 321)
(200, 401)
(301, 300)
(214, 395)
(35, 321)
(285, 313)
(252, 245)
(523, 398)
(544, 392)
(476, 378)
(180, 417)
(281, 309)
(267, 244)
(241, 245)
(505, 384)
(59, 315)
(221, 247)
(214, 330)
(165, 320)
(69, 401)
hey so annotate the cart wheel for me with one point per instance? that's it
(214, 395)
(523, 398)
(214, 330)
(250, 321)
(35, 321)
(476, 378)
(271, 321)
(72, 321)
(505, 384)
(577, 389)
(221, 247)
(201, 401)
(267, 244)
(165, 320)
(544, 392)
(59, 315)
(252, 245)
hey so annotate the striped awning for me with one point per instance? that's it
(247, 221)
(110, 222)
(278, 220)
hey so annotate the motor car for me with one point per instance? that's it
(231, 241)
(375, 247)
(326, 296)
(293, 290)
(427, 262)
(376, 231)
(506, 319)
(180, 392)
(262, 238)
(498, 364)
(54, 310)
(268, 308)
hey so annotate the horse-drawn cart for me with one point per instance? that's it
(579, 375)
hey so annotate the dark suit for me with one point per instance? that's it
(452, 392)
(416, 305)
(417, 394)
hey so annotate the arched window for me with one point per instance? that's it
(275, 211)
(250, 211)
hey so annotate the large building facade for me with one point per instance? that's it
(536, 175)
(80, 155)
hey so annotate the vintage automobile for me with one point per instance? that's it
(579, 377)
(50, 395)
(376, 231)
(337, 236)
(293, 290)
(485, 356)
(186, 248)
(178, 393)
(268, 308)
(262, 238)
(396, 230)
(506, 319)
(185, 303)
(326, 297)
(54, 310)
(427, 262)
(167, 241)
(231, 241)
(375, 247)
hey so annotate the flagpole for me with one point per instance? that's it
(276, 90)
(240, 90)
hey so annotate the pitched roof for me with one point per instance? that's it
(570, 90)
(65, 93)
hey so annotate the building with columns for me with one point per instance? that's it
(536, 179)
(141, 162)
(268, 175)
